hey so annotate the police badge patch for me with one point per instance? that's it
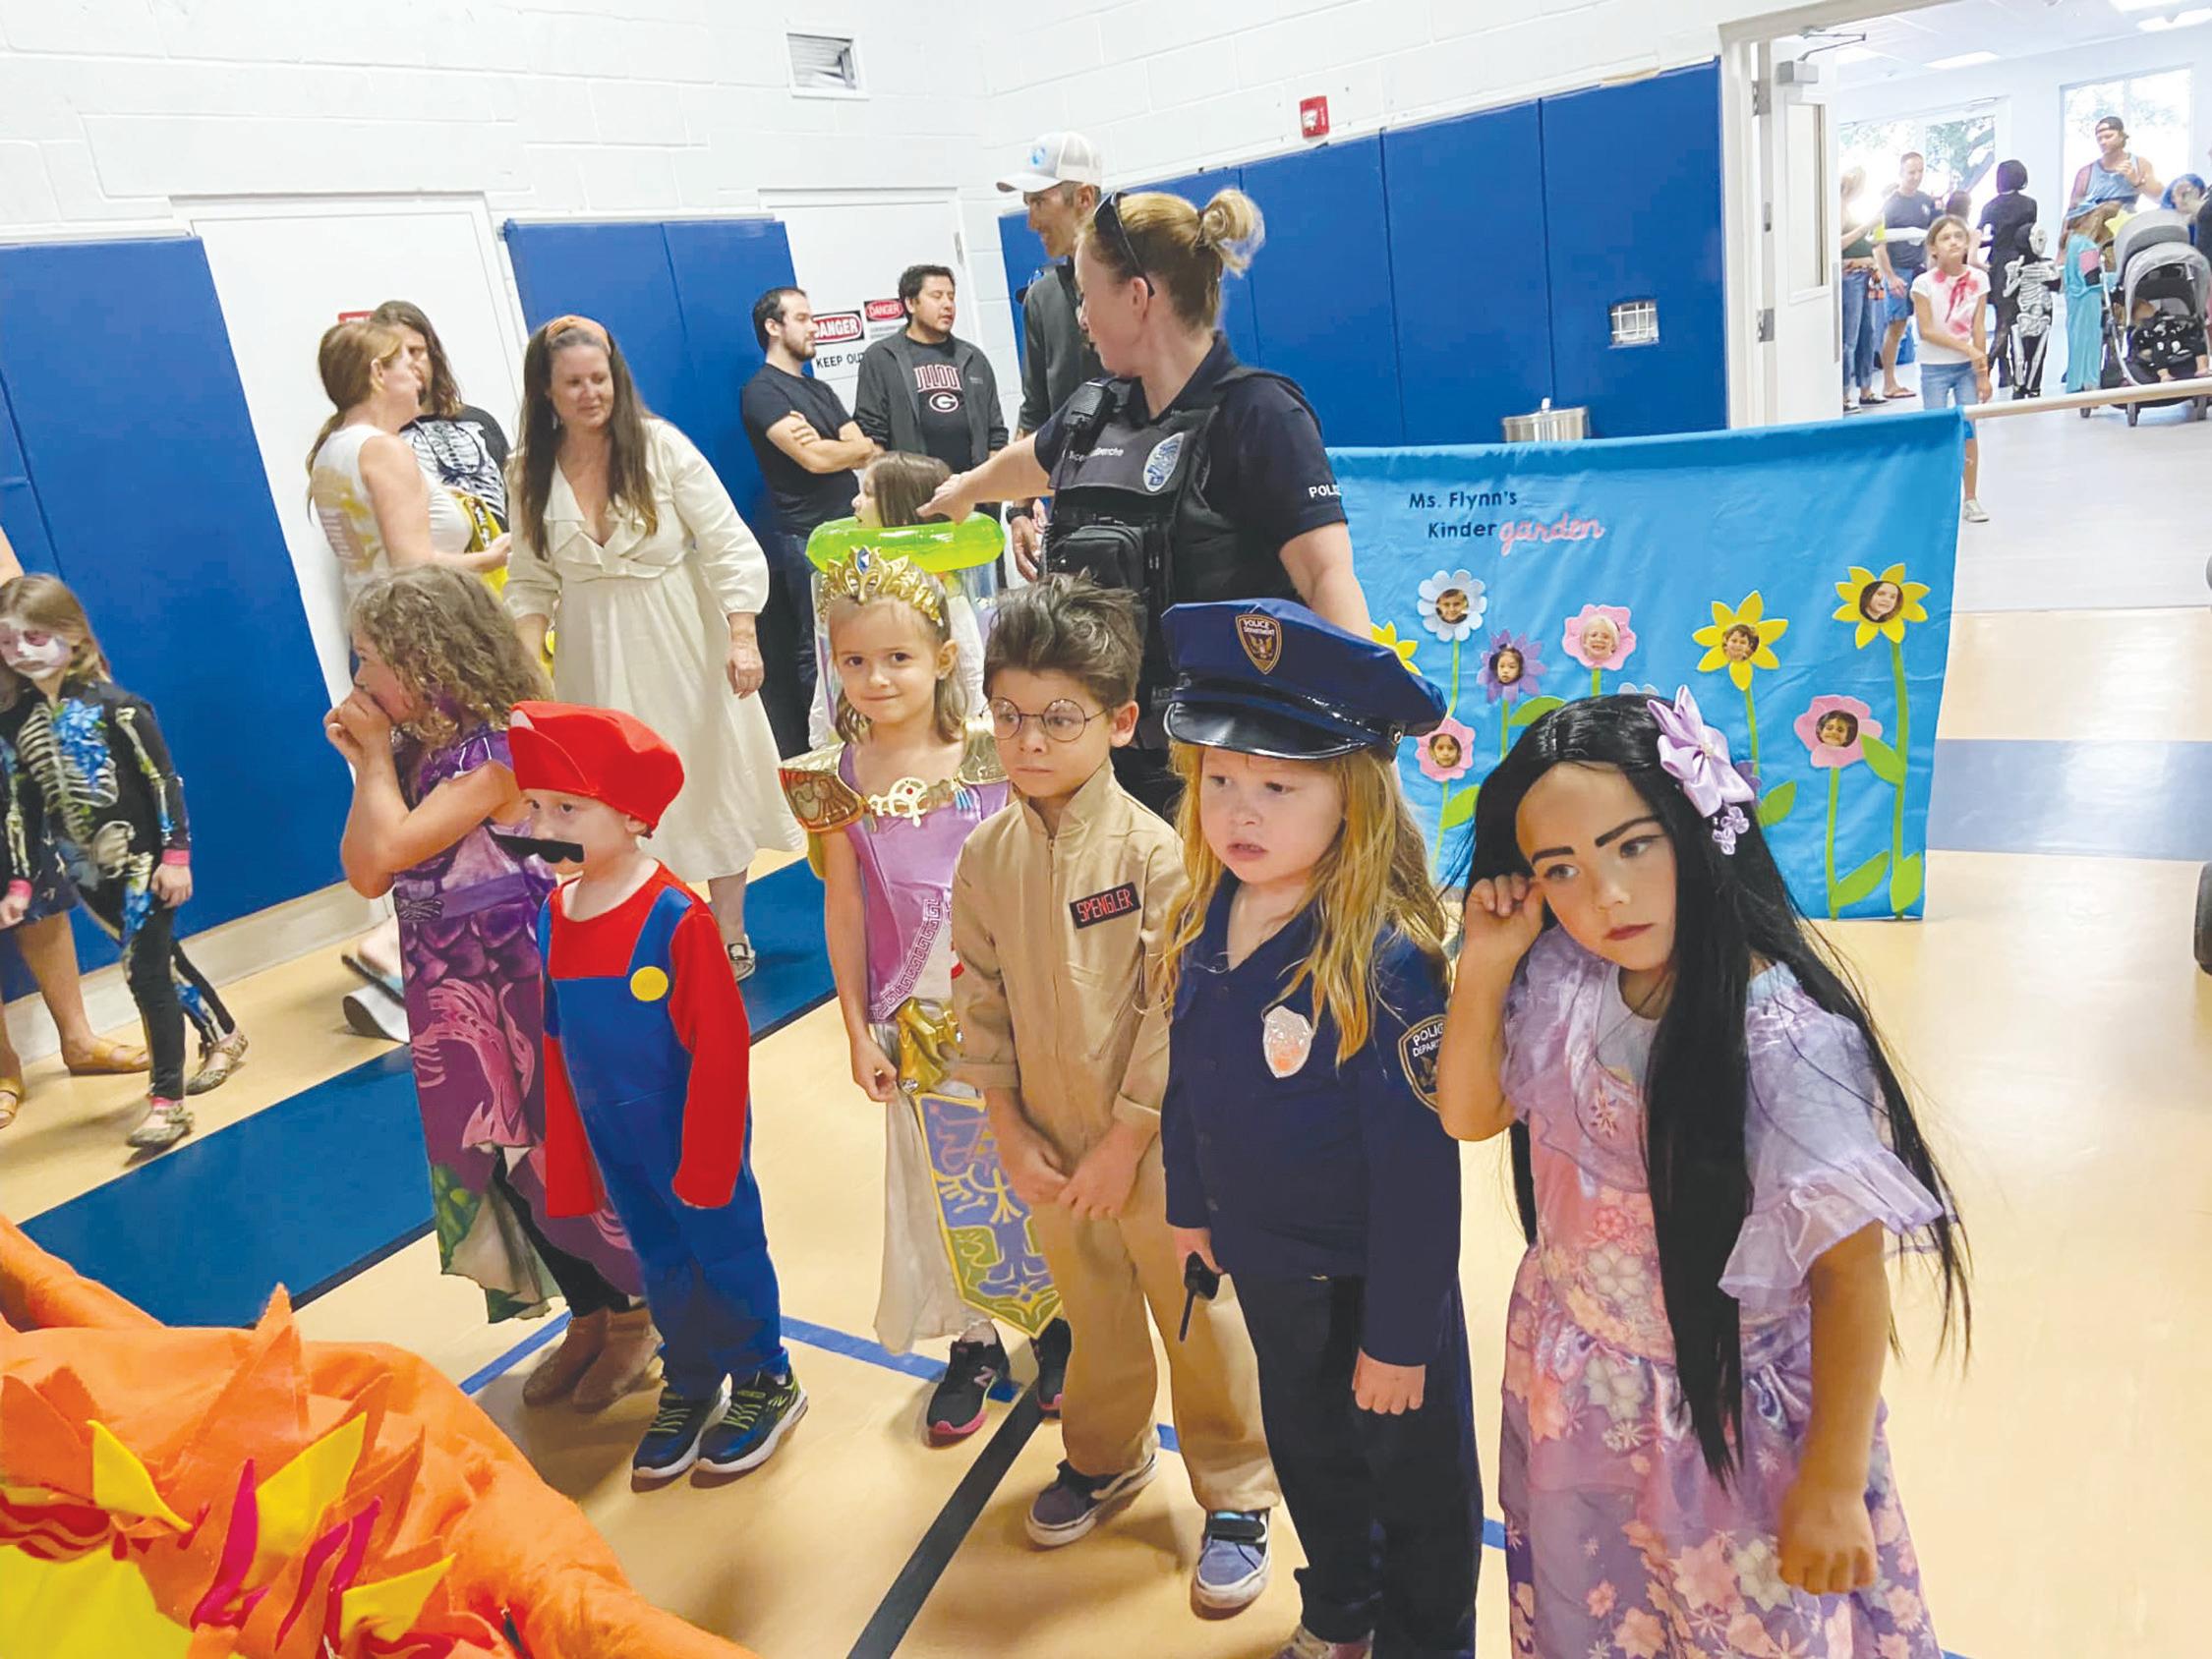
(1261, 636)
(1159, 466)
(1417, 1057)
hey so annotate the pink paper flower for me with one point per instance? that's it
(1600, 636)
(1830, 731)
(1447, 752)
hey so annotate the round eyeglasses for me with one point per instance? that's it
(1062, 720)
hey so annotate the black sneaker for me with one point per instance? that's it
(762, 1410)
(1050, 1346)
(671, 1445)
(955, 1409)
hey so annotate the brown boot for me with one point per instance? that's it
(623, 1365)
(561, 1370)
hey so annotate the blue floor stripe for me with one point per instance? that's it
(2111, 798)
(309, 1191)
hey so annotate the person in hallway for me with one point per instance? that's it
(2115, 175)
(624, 533)
(2004, 225)
(382, 508)
(2185, 195)
(464, 447)
(2082, 268)
(434, 803)
(42, 939)
(1951, 305)
(1059, 912)
(1902, 254)
(923, 391)
(93, 773)
(648, 1088)
(1861, 296)
(807, 446)
(1187, 461)
(1059, 181)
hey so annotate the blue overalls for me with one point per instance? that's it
(707, 1276)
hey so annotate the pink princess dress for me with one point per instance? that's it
(1619, 1543)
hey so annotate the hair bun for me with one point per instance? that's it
(1231, 226)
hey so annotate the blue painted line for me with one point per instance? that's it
(316, 1187)
(2111, 798)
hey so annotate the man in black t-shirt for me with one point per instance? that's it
(1903, 254)
(925, 392)
(807, 446)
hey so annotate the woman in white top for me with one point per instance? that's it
(622, 529)
(379, 508)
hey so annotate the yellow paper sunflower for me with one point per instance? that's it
(1387, 633)
(1741, 640)
(1876, 611)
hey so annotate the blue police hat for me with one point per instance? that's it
(1268, 677)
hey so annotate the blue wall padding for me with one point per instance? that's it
(134, 432)
(20, 514)
(679, 300)
(1473, 299)
(1652, 233)
(1321, 289)
(1024, 251)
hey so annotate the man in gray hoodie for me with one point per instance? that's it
(925, 392)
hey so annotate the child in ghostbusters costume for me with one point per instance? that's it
(647, 1052)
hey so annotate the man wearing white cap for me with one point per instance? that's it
(1058, 179)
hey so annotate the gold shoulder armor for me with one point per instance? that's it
(981, 764)
(820, 798)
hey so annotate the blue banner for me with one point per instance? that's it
(1797, 579)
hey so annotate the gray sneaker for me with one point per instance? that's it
(1074, 1503)
(742, 961)
(166, 1122)
(1233, 1562)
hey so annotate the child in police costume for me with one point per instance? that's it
(887, 808)
(647, 1055)
(1059, 912)
(1304, 1156)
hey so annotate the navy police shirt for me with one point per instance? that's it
(1321, 1172)
(1269, 471)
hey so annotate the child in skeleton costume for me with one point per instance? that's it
(887, 808)
(91, 771)
(2028, 285)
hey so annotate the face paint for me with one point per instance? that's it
(531, 846)
(32, 651)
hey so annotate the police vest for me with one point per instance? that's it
(1130, 510)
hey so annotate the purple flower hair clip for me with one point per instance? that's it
(1696, 756)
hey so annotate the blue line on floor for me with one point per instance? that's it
(318, 1187)
(2111, 798)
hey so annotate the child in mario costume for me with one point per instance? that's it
(646, 1059)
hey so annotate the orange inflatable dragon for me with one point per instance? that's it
(196, 1494)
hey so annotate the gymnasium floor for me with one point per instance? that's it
(2048, 1010)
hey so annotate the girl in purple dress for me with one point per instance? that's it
(441, 668)
(1711, 1148)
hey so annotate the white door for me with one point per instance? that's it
(1789, 319)
(285, 269)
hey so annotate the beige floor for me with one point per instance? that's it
(2052, 1023)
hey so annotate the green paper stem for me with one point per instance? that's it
(1597, 682)
(1751, 718)
(1834, 790)
(1904, 742)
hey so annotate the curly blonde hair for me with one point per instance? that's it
(1373, 880)
(450, 644)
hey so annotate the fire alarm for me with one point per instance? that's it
(1314, 118)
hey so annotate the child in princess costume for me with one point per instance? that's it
(647, 1052)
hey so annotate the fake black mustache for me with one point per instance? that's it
(530, 846)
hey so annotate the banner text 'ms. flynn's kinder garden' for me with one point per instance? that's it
(1797, 579)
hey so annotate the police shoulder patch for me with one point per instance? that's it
(1416, 1056)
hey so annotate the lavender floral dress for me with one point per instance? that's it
(468, 938)
(1619, 1543)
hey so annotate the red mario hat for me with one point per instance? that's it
(600, 754)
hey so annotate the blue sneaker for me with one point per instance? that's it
(762, 1410)
(1233, 1560)
(671, 1445)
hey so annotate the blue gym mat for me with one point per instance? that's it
(316, 1187)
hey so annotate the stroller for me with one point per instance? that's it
(2154, 264)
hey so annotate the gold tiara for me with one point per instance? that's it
(868, 575)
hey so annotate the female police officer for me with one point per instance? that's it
(1186, 476)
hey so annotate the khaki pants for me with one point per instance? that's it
(1107, 1273)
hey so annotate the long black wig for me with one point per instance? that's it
(1729, 910)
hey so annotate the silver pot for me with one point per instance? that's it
(1548, 425)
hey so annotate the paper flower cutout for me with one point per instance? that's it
(1600, 636)
(1511, 668)
(1831, 729)
(1880, 604)
(1447, 752)
(1387, 634)
(1740, 640)
(1452, 603)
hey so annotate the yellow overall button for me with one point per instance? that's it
(649, 985)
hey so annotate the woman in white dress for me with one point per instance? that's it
(624, 536)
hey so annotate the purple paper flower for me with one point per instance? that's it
(1696, 756)
(1511, 668)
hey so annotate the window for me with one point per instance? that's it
(1960, 147)
(1636, 322)
(824, 63)
(2155, 108)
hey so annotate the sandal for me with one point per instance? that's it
(12, 1093)
(217, 1061)
(106, 1058)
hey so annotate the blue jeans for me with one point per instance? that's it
(1948, 385)
(1862, 332)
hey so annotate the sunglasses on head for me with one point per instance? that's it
(1108, 218)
